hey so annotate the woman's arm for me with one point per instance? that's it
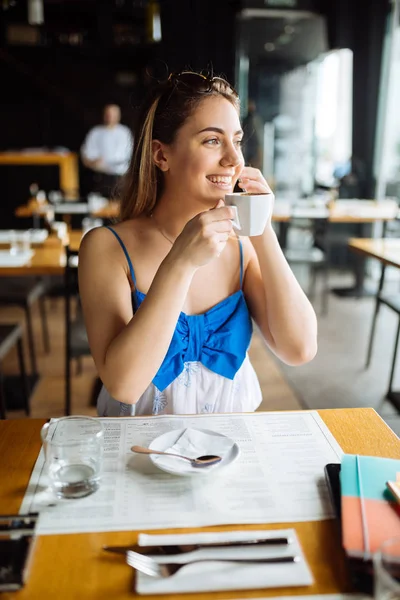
(129, 349)
(276, 301)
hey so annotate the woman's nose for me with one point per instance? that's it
(232, 157)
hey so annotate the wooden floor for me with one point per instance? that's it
(48, 397)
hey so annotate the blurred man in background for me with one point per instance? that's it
(106, 151)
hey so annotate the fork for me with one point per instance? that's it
(149, 566)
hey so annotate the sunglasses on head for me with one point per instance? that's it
(198, 82)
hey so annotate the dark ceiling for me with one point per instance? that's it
(289, 40)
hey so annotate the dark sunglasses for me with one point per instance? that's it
(198, 82)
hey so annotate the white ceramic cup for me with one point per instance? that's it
(252, 211)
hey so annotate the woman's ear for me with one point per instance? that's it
(159, 155)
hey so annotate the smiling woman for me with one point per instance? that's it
(178, 289)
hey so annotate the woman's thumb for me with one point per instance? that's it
(220, 203)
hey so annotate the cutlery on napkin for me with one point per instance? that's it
(212, 576)
(185, 548)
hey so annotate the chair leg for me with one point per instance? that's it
(372, 334)
(396, 345)
(377, 306)
(313, 282)
(79, 365)
(31, 342)
(3, 412)
(24, 379)
(67, 355)
(67, 387)
(325, 291)
(45, 328)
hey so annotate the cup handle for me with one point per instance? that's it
(236, 220)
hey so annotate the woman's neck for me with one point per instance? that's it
(172, 213)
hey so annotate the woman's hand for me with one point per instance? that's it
(253, 181)
(205, 236)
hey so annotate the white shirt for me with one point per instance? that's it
(113, 145)
(196, 390)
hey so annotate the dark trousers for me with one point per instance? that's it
(101, 183)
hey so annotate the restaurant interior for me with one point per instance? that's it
(319, 85)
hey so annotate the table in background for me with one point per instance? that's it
(48, 258)
(358, 212)
(73, 565)
(34, 208)
(387, 252)
(66, 161)
(342, 211)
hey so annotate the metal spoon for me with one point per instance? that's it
(201, 461)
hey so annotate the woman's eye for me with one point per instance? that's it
(212, 142)
(238, 142)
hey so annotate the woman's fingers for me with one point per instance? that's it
(219, 226)
(219, 213)
(255, 187)
(252, 180)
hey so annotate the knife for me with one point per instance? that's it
(185, 548)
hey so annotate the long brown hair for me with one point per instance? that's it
(162, 114)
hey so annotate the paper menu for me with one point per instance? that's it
(279, 477)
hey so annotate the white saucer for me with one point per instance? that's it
(183, 468)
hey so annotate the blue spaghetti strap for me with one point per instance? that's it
(241, 262)
(121, 243)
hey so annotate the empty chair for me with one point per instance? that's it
(76, 341)
(24, 292)
(11, 335)
(310, 255)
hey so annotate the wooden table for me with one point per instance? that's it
(387, 251)
(34, 209)
(73, 566)
(66, 161)
(48, 259)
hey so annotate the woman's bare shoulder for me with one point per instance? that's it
(101, 239)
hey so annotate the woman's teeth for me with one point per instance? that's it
(221, 181)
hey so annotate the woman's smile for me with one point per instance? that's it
(222, 182)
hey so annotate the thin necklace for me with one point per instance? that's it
(160, 230)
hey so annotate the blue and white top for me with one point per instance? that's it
(206, 368)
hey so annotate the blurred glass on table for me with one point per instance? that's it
(60, 228)
(73, 449)
(96, 202)
(387, 570)
(56, 196)
(89, 223)
(20, 242)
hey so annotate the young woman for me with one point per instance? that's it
(169, 292)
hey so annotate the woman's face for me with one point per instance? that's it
(205, 159)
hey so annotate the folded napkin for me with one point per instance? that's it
(15, 260)
(213, 576)
(36, 236)
(193, 443)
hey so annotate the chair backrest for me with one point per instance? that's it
(307, 233)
